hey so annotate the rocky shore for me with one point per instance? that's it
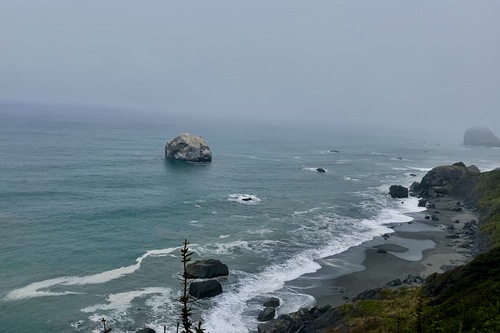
(444, 236)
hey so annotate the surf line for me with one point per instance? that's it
(35, 289)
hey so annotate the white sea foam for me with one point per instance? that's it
(418, 169)
(228, 313)
(260, 232)
(313, 169)
(351, 179)
(122, 301)
(36, 289)
(259, 246)
(224, 236)
(247, 199)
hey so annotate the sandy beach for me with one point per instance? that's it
(419, 248)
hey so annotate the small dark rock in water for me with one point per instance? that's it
(427, 217)
(413, 175)
(338, 290)
(267, 314)
(399, 158)
(456, 209)
(320, 170)
(273, 302)
(457, 221)
(382, 251)
(246, 199)
(146, 330)
(386, 236)
(431, 206)
(434, 218)
(334, 151)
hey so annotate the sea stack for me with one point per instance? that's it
(480, 136)
(188, 147)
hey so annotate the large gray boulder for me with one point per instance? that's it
(188, 147)
(206, 269)
(480, 136)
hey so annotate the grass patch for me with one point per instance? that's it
(488, 187)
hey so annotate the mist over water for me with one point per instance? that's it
(92, 215)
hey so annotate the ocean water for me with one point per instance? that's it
(92, 216)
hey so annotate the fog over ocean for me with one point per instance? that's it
(92, 216)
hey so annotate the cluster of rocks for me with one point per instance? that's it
(269, 311)
(305, 320)
(206, 269)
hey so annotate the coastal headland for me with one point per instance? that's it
(458, 223)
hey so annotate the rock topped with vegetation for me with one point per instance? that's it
(480, 136)
(188, 147)
(452, 180)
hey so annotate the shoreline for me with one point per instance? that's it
(417, 248)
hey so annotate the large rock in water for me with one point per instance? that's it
(187, 147)
(398, 191)
(206, 269)
(204, 289)
(480, 136)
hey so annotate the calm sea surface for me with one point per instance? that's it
(92, 215)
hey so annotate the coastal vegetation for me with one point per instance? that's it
(464, 299)
(488, 186)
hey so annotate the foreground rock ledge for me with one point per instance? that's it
(188, 147)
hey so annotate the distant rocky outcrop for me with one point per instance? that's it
(398, 191)
(206, 269)
(480, 136)
(188, 147)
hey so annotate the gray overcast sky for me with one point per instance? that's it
(349, 61)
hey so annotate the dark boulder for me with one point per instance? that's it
(398, 191)
(320, 170)
(146, 330)
(205, 289)
(422, 203)
(368, 294)
(394, 283)
(453, 180)
(272, 302)
(315, 319)
(267, 314)
(188, 147)
(480, 136)
(206, 269)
